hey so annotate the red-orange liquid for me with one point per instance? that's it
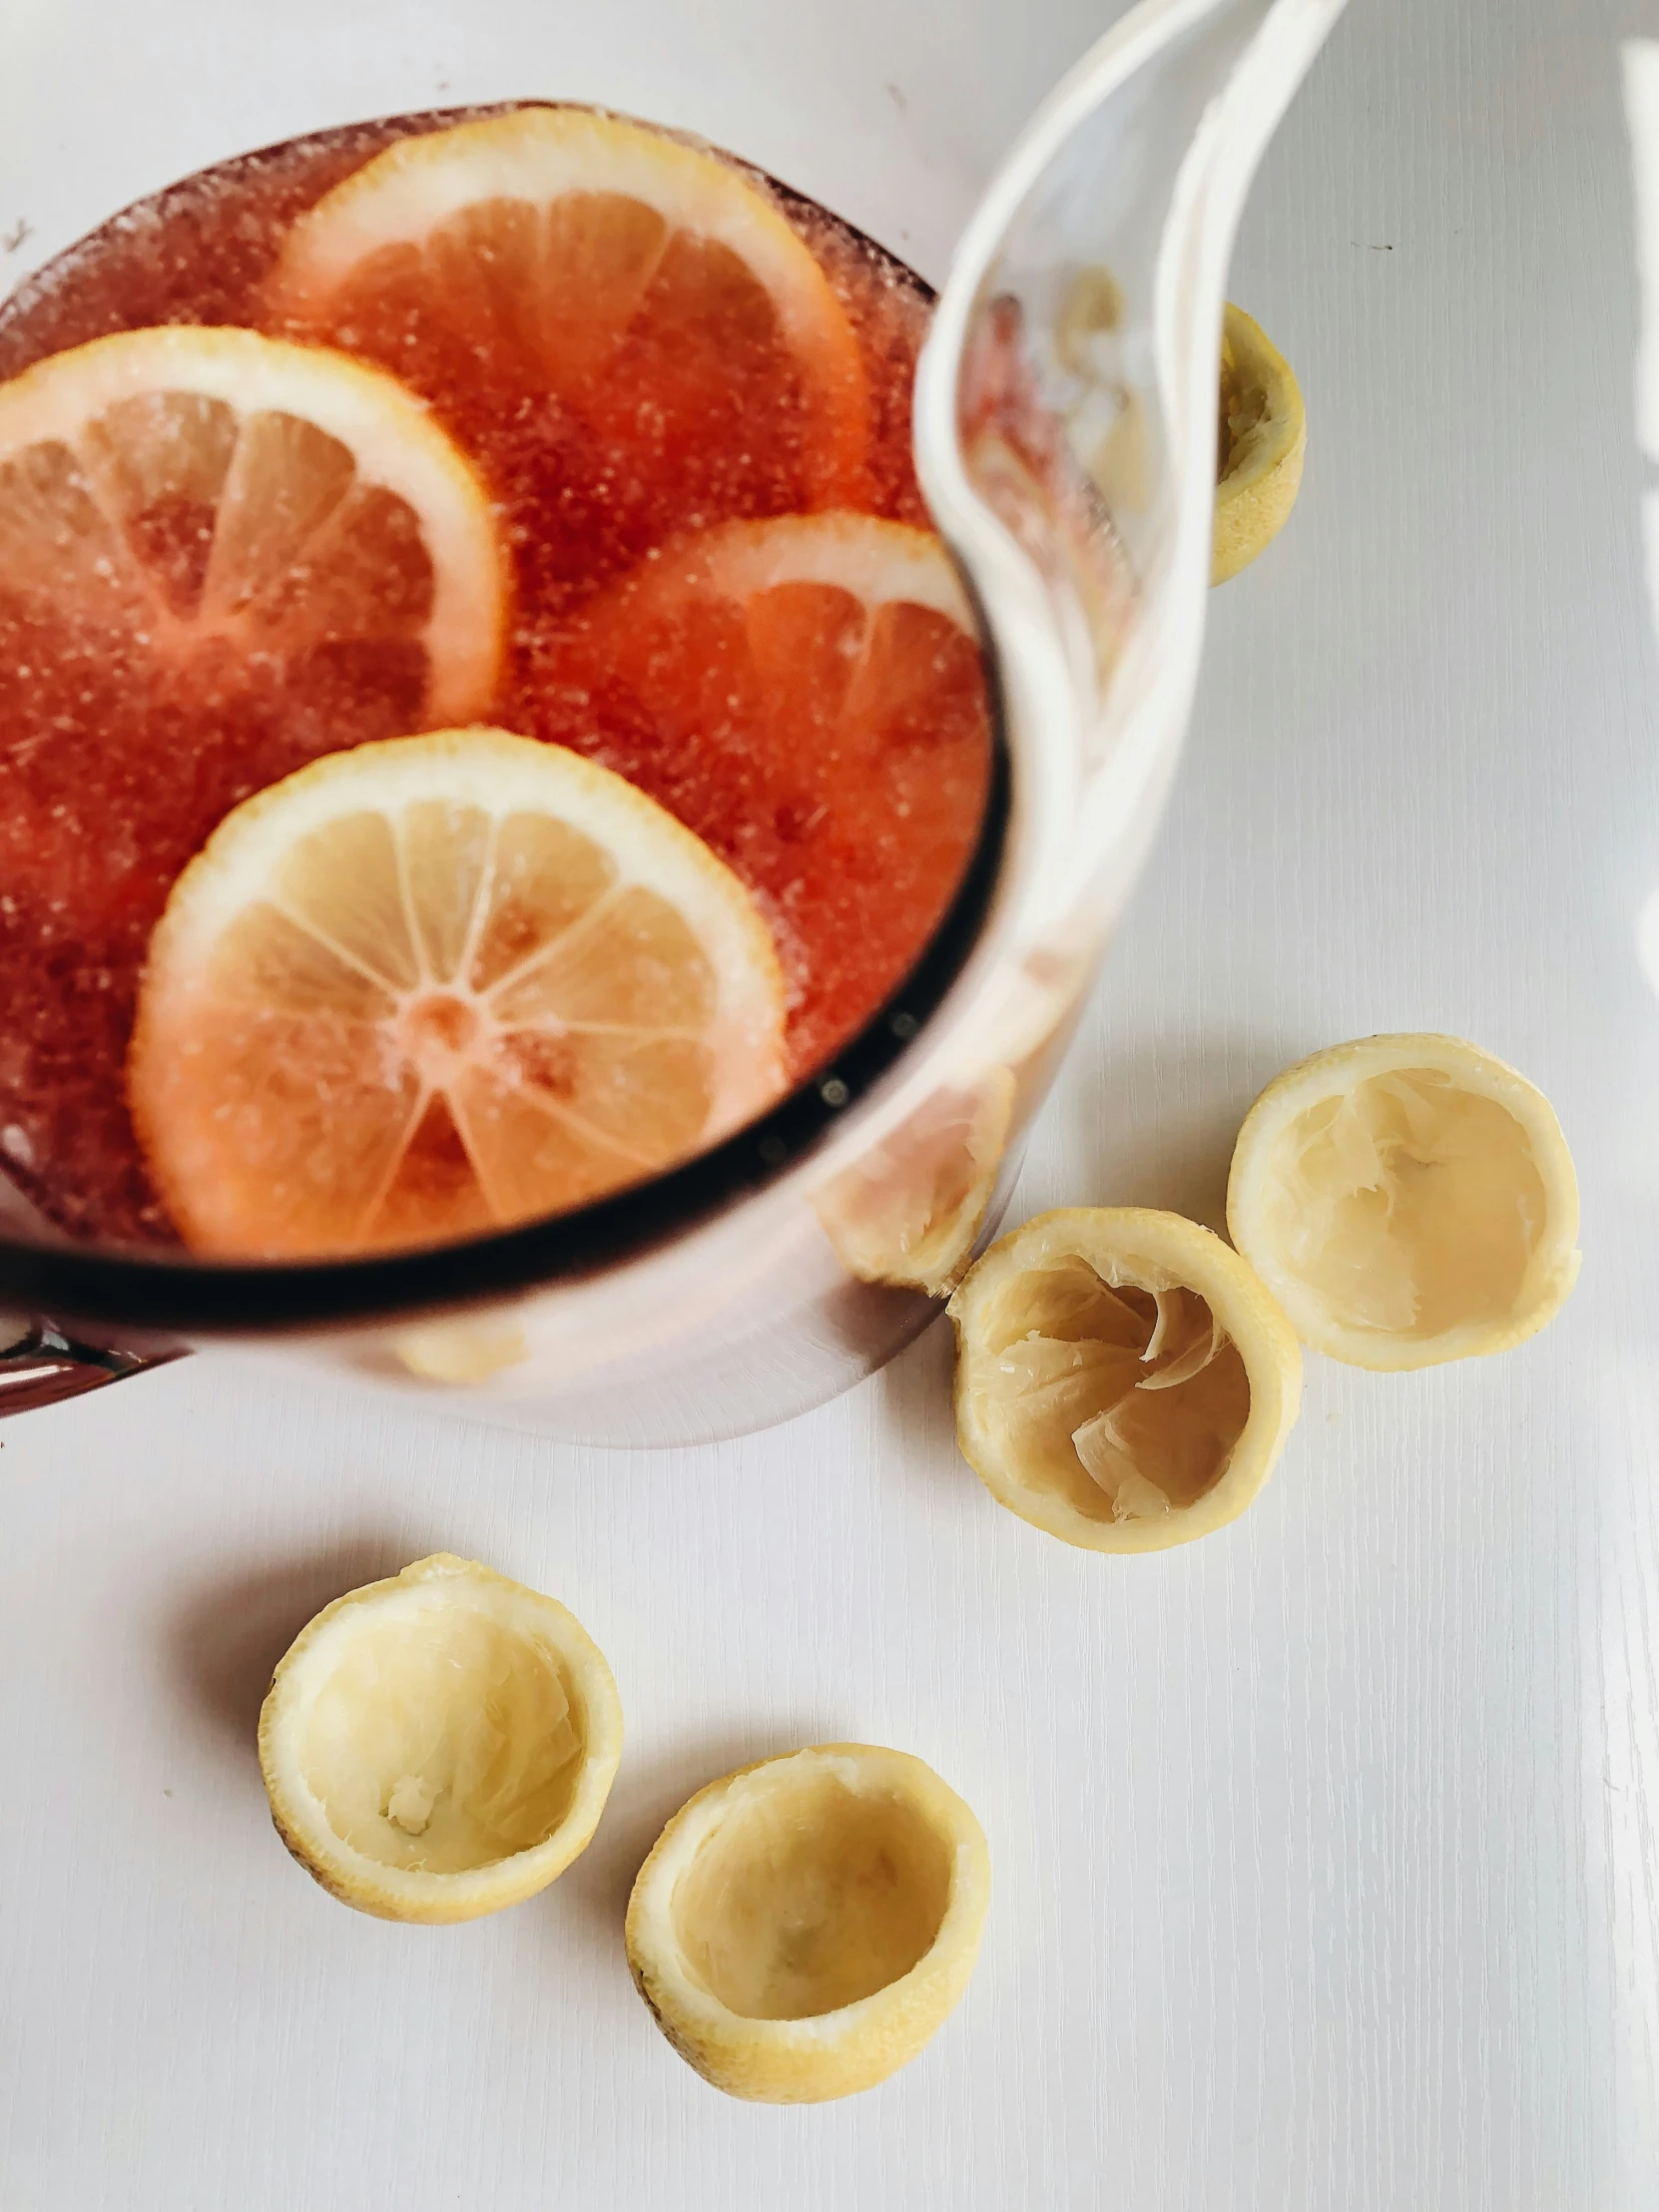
(111, 776)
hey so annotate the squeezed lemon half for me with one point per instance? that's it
(910, 1214)
(1408, 1200)
(1123, 1380)
(802, 1926)
(441, 1744)
(1263, 441)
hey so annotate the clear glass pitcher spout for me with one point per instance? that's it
(1066, 421)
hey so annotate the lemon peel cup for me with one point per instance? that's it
(802, 1926)
(1124, 1381)
(440, 1743)
(1262, 442)
(1409, 1200)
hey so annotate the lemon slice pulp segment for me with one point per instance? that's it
(1409, 1200)
(440, 984)
(1263, 443)
(804, 1925)
(441, 1744)
(1123, 1380)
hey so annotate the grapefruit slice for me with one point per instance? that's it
(438, 985)
(806, 695)
(624, 326)
(214, 509)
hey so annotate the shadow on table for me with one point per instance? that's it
(224, 1641)
(914, 1392)
(1158, 1126)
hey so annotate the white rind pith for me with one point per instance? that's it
(402, 1892)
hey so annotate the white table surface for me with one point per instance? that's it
(1325, 1850)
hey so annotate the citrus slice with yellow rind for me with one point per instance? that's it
(211, 506)
(1123, 1380)
(807, 694)
(1408, 1200)
(577, 277)
(438, 985)
(441, 1744)
(1262, 442)
(805, 1925)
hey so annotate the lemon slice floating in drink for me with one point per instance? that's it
(440, 984)
(805, 1925)
(441, 1744)
(1409, 1200)
(1123, 1379)
(218, 511)
(807, 694)
(558, 281)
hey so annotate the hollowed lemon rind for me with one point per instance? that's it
(829, 2055)
(1554, 1271)
(1170, 1251)
(415, 1896)
(496, 773)
(1260, 474)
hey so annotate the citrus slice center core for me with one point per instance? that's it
(436, 1031)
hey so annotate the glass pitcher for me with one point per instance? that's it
(1065, 436)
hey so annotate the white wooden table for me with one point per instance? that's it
(1328, 1850)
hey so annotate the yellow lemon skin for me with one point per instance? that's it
(1262, 444)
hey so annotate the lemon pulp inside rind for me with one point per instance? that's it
(1409, 1200)
(810, 1898)
(1124, 1381)
(440, 1743)
(910, 1213)
(803, 1926)
(1408, 1205)
(1262, 442)
(1127, 1401)
(444, 1753)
